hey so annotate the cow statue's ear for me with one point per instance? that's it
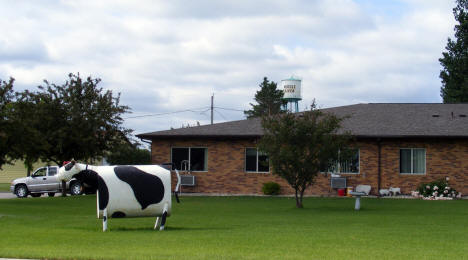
(70, 165)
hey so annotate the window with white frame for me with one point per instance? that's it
(348, 165)
(413, 160)
(256, 161)
(195, 158)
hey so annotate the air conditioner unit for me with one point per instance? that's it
(338, 182)
(187, 180)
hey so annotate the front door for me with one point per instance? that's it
(37, 181)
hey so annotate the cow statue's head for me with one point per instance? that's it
(67, 171)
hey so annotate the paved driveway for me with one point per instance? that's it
(7, 195)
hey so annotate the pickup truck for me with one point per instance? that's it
(43, 180)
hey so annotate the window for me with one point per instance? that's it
(348, 165)
(40, 172)
(194, 159)
(52, 171)
(256, 161)
(413, 160)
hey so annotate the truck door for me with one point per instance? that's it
(36, 183)
(51, 183)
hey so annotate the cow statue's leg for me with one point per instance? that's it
(104, 220)
(158, 222)
(164, 216)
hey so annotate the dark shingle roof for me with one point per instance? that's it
(364, 120)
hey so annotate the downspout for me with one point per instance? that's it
(379, 168)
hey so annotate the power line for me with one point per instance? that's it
(232, 109)
(219, 113)
(173, 112)
(200, 110)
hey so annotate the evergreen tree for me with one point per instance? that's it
(269, 100)
(455, 61)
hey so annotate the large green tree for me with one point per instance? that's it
(76, 120)
(128, 153)
(269, 100)
(7, 129)
(299, 146)
(454, 74)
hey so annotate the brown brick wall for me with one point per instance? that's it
(226, 160)
(444, 158)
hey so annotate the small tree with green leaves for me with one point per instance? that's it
(269, 100)
(299, 146)
(454, 74)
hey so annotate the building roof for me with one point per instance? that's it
(385, 120)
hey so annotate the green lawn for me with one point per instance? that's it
(239, 228)
(5, 187)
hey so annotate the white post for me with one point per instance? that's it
(357, 205)
(104, 220)
(97, 202)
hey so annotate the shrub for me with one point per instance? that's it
(438, 189)
(271, 188)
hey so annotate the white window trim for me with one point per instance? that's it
(189, 155)
(245, 161)
(412, 169)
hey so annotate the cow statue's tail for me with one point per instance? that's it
(176, 190)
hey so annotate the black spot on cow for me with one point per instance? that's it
(94, 181)
(147, 188)
(118, 214)
(88, 177)
(103, 193)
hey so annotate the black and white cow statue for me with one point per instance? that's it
(126, 191)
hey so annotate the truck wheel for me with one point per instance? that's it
(76, 188)
(21, 191)
(36, 195)
(51, 194)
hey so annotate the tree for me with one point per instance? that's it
(128, 153)
(455, 61)
(7, 129)
(299, 146)
(269, 100)
(74, 120)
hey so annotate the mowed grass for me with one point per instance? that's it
(239, 228)
(5, 187)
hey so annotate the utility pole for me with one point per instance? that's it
(212, 97)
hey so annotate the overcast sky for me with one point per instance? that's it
(167, 56)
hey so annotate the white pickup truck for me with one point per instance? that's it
(43, 180)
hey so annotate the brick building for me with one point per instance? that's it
(399, 145)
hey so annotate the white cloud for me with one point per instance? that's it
(172, 55)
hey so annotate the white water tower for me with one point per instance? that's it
(292, 93)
